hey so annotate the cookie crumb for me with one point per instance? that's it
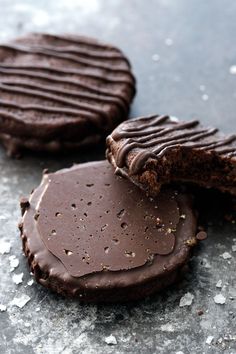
(201, 235)
(200, 312)
(24, 204)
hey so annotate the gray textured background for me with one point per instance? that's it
(195, 42)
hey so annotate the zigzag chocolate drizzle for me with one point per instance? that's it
(58, 54)
(100, 93)
(153, 136)
(82, 40)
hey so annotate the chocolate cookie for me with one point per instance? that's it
(57, 90)
(155, 150)
(93, 235)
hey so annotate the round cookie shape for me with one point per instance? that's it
(93, 235)
(57, 89)
(155, 150)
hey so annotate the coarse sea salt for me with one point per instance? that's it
(219, 299)
(14, 262)
(3, 308)
(232, 70)
(110, 340)
(219, 284)
(205, 97)
(5, 247)
(169, 42)
(186, 300)
(155, 57)
(17, 278)
(209, 340)
(20, 301)
(226, 255)
(30, 282)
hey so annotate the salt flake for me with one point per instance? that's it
(186, 300)
(232, 70)
(169, 42)
(202, 88)
(219, 284)
(155, 57)
(17, 278)
(30, 282)
(168, 327)
(3, 308)
(5, 247)
(205, 97)
(174, 119)
(219, 299)
(226, 255)
(14, 262)
(110, 340)
(20, 301)
(209, 340)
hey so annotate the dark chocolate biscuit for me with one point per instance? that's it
(155, 150)
(63, 89)
(93, 235)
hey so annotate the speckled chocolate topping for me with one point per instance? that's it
(155, 150)
(65, 88)
(91, 234)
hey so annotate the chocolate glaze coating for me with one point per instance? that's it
(65, 88)
(155, 150)
(90, 234)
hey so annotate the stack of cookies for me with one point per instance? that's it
(118, 229)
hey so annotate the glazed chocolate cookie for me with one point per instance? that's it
(57, 90)
(155, 150)
(93, 235)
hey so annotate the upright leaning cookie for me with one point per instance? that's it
(95, 236)
(155, 150)
(60, 92)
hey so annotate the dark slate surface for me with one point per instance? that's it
(195, 44)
